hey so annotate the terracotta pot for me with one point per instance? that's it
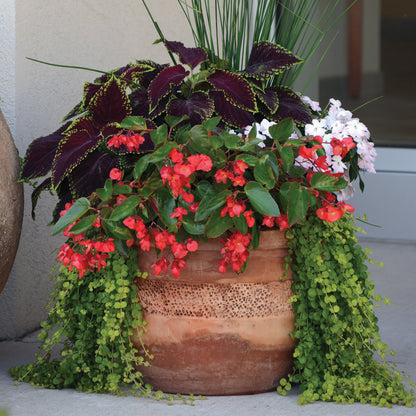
(11, 202)
(216, 334)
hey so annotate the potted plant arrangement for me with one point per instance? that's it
(206, 220)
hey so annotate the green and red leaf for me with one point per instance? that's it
(199, 107)
(235, 88)
(163, 83)
(269, 59)
(41, 153)
(230, 114)
(188, 56)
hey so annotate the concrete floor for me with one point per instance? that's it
(397, 326)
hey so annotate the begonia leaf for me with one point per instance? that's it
(192, 227)
(198, 107)
(163, 83)
(40, 154)
(116, 230)
(162, 152)
(282, 130)
(210, 202)
(287, 156)
(240, 223)
(218, 225)
(165, 205)
(160, 135)
(297, 202)
(268, 59)
(106, 192)
(235, 88)
(83, 224)
(76, 211)
(133, 123)
(261, 200)
(324, 182)
(125, 209)
(263, 172)
(188, 56)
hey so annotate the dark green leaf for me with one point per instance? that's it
(240, 223)
(152, 183)
(211, 123)
(233, 141)
(282, 130)
(133, 123)
(116, 230)
(298, 203)
(192, 227)
(122, 189)
(160, 135)
(217, 225)
(105, 193)
(249, 159)
(261, 200)
(210, 202)
(141, 166)
(324, 182)
(286, 154)
(216, 141)
(174, 121)
(77, 210)
(166, 204)
(253, 132)
(162, 152)
(125, 209)
(263, 172)
(84, 224)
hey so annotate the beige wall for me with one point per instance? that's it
(101, 34)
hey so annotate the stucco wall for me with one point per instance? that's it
(102, 35)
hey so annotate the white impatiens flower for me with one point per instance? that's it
(314, 105)
(316, 128)
(356, 129)
(337, 165)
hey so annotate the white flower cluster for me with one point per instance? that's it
(339, 123)
(329, 124)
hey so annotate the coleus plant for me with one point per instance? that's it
(77, 157)
(198, 183)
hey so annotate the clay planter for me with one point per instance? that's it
(11, 202)
(215, 334)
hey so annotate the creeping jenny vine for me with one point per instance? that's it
(335, 321)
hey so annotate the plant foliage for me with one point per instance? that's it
(146, 89)
(335, 321)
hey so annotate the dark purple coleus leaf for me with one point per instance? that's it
(290, 105)
(46, 184)
(269, 98)
(235, 88)
(231, 115)
(81, 139)
(162, 85)
(148, 76)
(110, 103)
(188, 56)
(139, 101)
(268, 59)
(40, 154)
(65, 196)
(91, 173)
(198, 107)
